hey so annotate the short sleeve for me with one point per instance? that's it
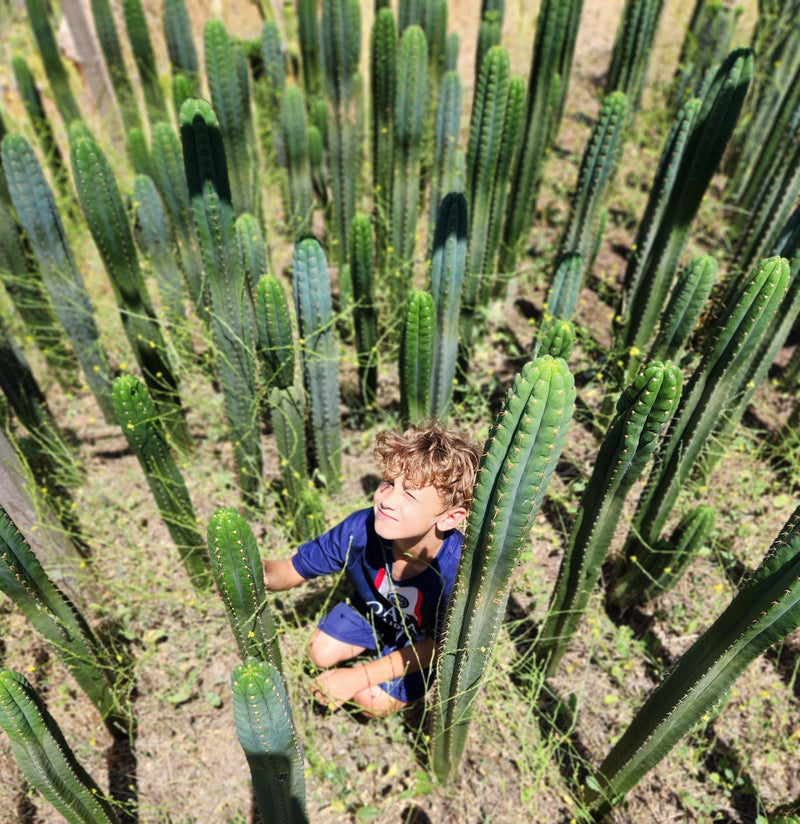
(330, 551)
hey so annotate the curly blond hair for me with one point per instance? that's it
(429, 455)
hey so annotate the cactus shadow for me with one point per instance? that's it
(123, 782)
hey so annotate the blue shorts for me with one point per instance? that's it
(346, 624)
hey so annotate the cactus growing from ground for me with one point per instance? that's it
(416, 357)
(276, 348)
(144, 432)
(766, 609)
(25, 582)
(643, 412)
(266, 732)
(44, 756)
(365, 310)
(236, 565)
(314, 310)
(521, 453)
(145, 59)
(37, 211)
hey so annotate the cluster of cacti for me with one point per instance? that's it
(197, 220)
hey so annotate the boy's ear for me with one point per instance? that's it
(451, 518)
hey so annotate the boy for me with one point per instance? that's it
(401, 556)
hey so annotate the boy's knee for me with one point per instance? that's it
(325, 652)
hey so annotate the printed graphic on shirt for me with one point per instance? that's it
(399, 607)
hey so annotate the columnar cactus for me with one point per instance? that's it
(275, 338)
(446, 174)
(63, 626)
(448, 267)
(239, 576)
(233, 313)
(37, 211)
(416, 357)
(643, 412)
(365, 311)
(108, 222)
(44, 756)
(144, 432)
(145, 59)
(766, 609)
(314, 310)
(181, 50)
(266, 732)
(523, 447)
(298, 165)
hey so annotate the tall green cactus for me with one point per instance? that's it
(266, 732)
(37, 211)
(341, 53)
(523, 447)
(483, 162)
(144, 432)
(253, 251)
(106, 31)
(682, 313)
(710, 397)
(32, 102)
(365, 310)
(44, 756)
(633, 46)
(236, 565)
(689, 161)
(309, 35)
(229, 86)
(314, 310)
(565, 286)
(39, 19)
(233, 314)
(448, 267)
(181, 49)
(643, 412)
(764, 611)
(298, 164)
(383, 76)
(416, 357)
(275, 339)
(24, 285)
(145, 59)
(170, 178)
(598, 166)
(409, 114)
(446, 176)
(642, 577)
(63, 626)
(108, 223)
(548, 83)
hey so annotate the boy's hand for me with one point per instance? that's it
(337, 686)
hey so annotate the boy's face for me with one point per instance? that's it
(409, 513)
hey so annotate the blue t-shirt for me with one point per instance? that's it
(401, 611)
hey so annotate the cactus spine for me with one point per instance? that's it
(314, 310)
(37, 211)
(764, 611)
(239, 576)
(521, 453)
(266, 732)
(643, 412)
(44, 756)
(416, 356)
(108, 222)
(62, 625)
(145, 434)
(448, 269)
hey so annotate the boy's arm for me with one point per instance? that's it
(280, 575)
(341, 684)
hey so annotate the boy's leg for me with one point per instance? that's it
(326, 651)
